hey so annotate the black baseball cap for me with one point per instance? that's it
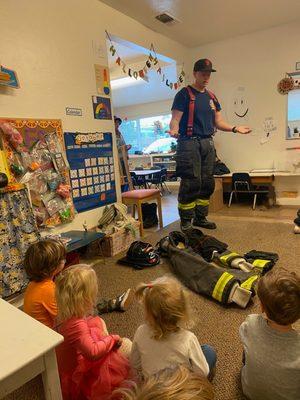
(203, 65)
(117, 119)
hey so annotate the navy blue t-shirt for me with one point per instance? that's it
(204, 114)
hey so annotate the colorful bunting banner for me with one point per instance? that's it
(152, 62)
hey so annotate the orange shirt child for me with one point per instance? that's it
(40, 302)
(43, 261)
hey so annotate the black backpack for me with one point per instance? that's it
(149, 212)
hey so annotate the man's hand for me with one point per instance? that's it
(173, 133)
(243, 129)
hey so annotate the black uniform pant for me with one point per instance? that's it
(195, 161)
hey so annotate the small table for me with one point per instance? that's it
(143, 173)
(27, 349)
(80, 239)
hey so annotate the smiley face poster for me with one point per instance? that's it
(238, 108)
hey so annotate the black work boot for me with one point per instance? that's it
(200, 220)
(203, 223)
(186, 225)
(186, 217)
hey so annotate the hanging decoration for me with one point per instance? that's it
(152, 62)
(285, 85)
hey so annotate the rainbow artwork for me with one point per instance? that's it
(106, 88)
(102, 79)
(101, 107)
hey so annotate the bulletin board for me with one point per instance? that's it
(35, 155)
(92, 174)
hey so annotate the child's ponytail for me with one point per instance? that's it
(141, 290)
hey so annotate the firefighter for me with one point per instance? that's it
(195, 118)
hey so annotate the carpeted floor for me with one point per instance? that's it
(213, 323)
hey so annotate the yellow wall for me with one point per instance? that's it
(53, 45)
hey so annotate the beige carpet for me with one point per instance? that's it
(213, 323)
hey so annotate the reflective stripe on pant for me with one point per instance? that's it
(197, 208)
(200, 276)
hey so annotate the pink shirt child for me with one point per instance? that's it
(90, 365)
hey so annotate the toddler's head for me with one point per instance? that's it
(44, 259)
(76, 291)
(166, 305)
(170, 384)
(279, 294)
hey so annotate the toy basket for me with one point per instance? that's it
(119, 241)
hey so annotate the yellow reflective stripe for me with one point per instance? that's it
(220, 285)
(187, 206)
(260, 263)
(202, 202)
(225, 257)
(249, 282)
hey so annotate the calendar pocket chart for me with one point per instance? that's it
(92, 172)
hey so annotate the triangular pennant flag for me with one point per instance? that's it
(141, 73)
(148, 63)
(180, 79)
(182, 73)
(135, 74)
(145, 69)
(171, 85)
(167, 82)
(155, 61)
(124, 67)
(118, 61)
(112, 50)
(175, 85)
(129, 71)
(159, 70)
(163, 78)
(150, 57)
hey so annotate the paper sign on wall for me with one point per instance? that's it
(102, 79)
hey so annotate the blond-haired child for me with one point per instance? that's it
(43, 261)
(177, 383)
(271, 346)
(162, 342)
(89, 361)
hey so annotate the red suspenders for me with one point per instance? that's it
(190, 123)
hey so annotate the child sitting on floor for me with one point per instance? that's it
(90, 363)
(43, 261)
(169, 384)
(271, 369)
(162, 342)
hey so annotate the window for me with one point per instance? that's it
(148, 134)
(293, 128)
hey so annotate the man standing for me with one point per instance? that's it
(195, 118)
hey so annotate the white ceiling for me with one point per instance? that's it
(204, 21)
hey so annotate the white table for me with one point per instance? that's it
(27, 349)
(145, 172)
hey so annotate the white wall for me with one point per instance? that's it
(53, 45)
(256, 62)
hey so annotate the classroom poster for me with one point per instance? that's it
(92, 174)
(101, 107)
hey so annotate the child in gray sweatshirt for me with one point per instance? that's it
(271, 345)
